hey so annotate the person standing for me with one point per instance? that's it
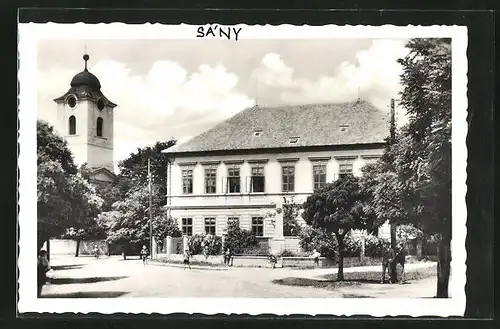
(387, 259)
(315, 255)
(96, 252)
(187, 262)
(144, 255)
(43, 267)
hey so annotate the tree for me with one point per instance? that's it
(425, 166)
(338, 208)
(291, 211)
(237, 240)
(65, 198)
(134, 169)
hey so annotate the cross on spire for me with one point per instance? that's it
(86, 57)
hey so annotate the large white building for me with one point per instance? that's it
(85, 121)
(246, 166)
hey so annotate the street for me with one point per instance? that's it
(82, 277)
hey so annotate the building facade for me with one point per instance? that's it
(246, 167)
(85, 119)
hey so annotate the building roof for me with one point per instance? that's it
(338, 124)
(85, 85)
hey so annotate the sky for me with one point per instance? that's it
(179, 88)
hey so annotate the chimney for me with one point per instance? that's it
(393, 122)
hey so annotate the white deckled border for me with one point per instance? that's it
(30, 33)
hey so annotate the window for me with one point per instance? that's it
(187, 181)
(210, 179)
(233, 220)
(288, 178)
(319, 176)
(233, 180)
(72, 125)
(210, 225)
(187, 226)
(99, 127)
(258, 226)
(345, 169)
(257, 182)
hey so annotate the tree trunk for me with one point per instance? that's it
(392, 268)
(48, 250)
(340, 270)
(77, 248)
(443, 266)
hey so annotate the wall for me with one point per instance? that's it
(245, 205)
(100, 149)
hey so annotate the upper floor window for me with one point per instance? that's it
(210, 225)
(187, 226)
(233, 180)
(258, 226)
(288, 177)
(210, 180)
(257, 180)
(233, 221)
(319, 175)
(345, 169)
(72, 125)
(99, 127)
(187, 181)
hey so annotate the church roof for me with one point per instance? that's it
(85, 85)
(294, 126)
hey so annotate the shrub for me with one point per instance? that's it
(237, 240)
(211, 245)
(374, 246)
(287, 253)
(256, 250)
(194, 244)
(352, 246)
(319, 239)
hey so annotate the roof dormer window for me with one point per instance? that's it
(257, 132)
(344, 127)
(294, 140)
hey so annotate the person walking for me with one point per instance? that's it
(387, 259)
(96, 252)
(43, 267)
(144, 255)
(227, 257)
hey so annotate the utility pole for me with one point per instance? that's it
(393, 225)
(150, 210)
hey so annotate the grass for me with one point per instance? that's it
(329, 281)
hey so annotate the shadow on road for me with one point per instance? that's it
(85, 280)
(307, 282)
(67, 267)
(355, 296)
(88, 294)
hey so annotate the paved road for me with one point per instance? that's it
(114, 277)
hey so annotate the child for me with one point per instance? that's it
(272, 260)
(144, 255)
(316, 256)
(186, 259)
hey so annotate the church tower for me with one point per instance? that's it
(85, 121)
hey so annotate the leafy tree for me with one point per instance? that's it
(134, 170)
(237, 240)
(65, 198)
(425, 166)
(338, 207)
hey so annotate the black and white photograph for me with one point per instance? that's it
(242, 169)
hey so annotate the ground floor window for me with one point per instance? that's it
(210, 225)
(187, 226)
(345, 169)
(258, 226)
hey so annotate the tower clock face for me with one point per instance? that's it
(100, 104)
(71, 101)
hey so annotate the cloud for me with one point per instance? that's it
(374, 71)
(156, 105)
